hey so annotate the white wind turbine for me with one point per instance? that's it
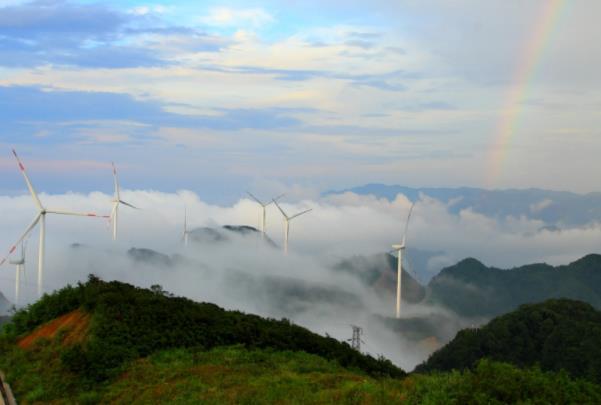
(287, 220)
(20, 268)
(262, 213)
(186, 232)
(41, 219)
(399, 249)
(116, 202)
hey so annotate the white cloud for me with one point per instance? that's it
(232, 17)
(150, 9)
(541, 205)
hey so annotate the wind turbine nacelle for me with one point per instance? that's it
(22, 261)
(398, 247)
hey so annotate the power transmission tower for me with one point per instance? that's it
(356, 339)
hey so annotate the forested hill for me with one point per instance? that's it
(471, 289)
(129, 322)
(105, 342)
(558, 334)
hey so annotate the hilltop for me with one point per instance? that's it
(99, 328)
(558, 334)
(472, 289)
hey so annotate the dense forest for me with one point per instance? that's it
(130, 322)
(558, 334)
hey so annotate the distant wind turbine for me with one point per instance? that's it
(116, 202)
(400, 249)
(186, 232)
(262, 213)
(41, 219)
(287, 220)
(20, 263)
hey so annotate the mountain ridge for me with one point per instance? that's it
(555, 208)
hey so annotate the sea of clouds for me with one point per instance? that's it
(246, 274)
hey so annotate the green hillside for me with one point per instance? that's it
(471, 289)
(129, 322)
(104, 342)
(556, 335)
(234, 374)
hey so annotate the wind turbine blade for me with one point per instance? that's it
(254, 198)
(301, 213)
(23, 236)
(409, 266)
(78, 214)
(128, 204)
(116, 181)
(280, 208)
(407, 223)
(34, 195)
(275, 199)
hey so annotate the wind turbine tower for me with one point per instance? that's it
(400, 249)
(262, 212)
(41, 219)
(20, 268)
(186, 232)
(287, 220)
(116, 202)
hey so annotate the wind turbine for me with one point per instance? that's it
(287, 220)
(399, 249)
(186, 232)
(116, 202)
(262, 213)
(20, 268)
(41, 219)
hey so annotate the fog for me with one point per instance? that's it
(243, 272)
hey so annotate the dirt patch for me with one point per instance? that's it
(75, 324)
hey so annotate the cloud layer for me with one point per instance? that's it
(243, 273)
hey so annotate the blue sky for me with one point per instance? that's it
(219, 96)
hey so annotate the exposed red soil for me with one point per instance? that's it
(75, 324)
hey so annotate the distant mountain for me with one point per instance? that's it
(215, 235)
(289, 295)
(379, 271)
(471, 289)
(417, 262)
(556, 335)
(559, 208)
(150, 256)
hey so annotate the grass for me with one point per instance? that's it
(235, 374)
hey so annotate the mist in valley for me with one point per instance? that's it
(241, 271)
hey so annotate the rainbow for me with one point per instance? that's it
(524, 72)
